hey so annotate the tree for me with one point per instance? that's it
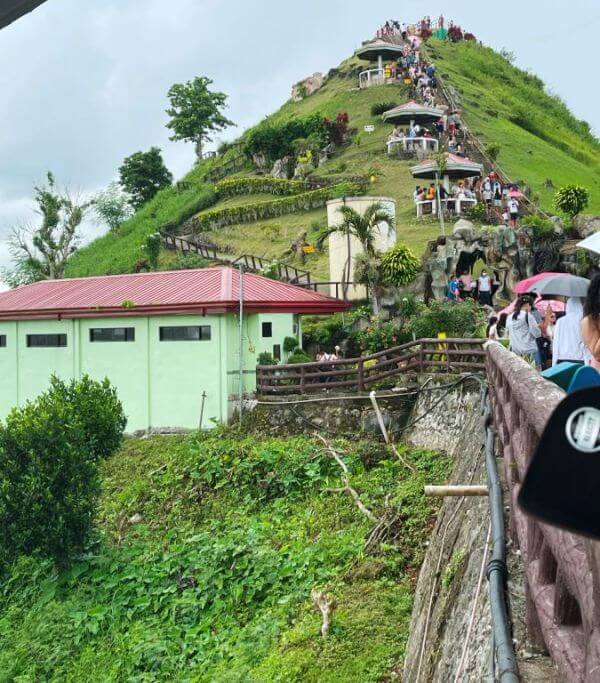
(364, 228)
(195, 112)
(571, 199)
(41, 253)
(112, 206)
(143, 174)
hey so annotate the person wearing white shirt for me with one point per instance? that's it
(523, 332)
(484, 287)
(567, 342)
(513, 210)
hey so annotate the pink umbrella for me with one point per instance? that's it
(525, 285)
(540, 304)
(515, 193)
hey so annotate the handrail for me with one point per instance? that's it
(562, 574)
(173, 242)
(358, 373)
(258, 263)
(496, 569)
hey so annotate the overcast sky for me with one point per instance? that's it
(84, 82)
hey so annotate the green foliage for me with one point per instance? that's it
(152, 249)
(541, 227)
(290, 344)
(189, 261)
(49, 451)
(266, 358)
(248, 213)
(117, 252)
(456, 319)
(112, 207)
(196, 111)
(377, 337)
(258, 185)
(143, 174)
(275, 140)
(299, 356)
(324, 332)
(571, 199)
(477, 212)
(41, 253)
(399, 266)
(380, 108)
(214, 583)
(493, 150)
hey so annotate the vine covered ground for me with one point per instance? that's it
(206, 551)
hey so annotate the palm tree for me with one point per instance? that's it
(365, 228)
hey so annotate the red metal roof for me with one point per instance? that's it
(211, 290)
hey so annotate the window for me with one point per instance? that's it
(185, 333)
(112, 334)
(276, 351)
(295, 329)
(267, 329)
(46, 340)
(2, 341)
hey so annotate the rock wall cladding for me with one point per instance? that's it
(438, 647)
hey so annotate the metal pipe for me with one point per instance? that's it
(241, 387)
(508, 671)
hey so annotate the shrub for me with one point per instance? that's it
(274, 140)
(289, 344)
(571, 199)
(378, 337)
(337, 130)
(399, 266)
(324, 332)
(379, 108)
(477, 212)
(257, 185)
(189, 261)
(266, 358)
(152, 249)
(455, 319)
(541, 227)
(493, 150)
(248, 213)
(49, 477)
(299, 356)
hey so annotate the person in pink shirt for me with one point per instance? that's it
(590, 325)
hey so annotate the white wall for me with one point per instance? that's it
(338, 243)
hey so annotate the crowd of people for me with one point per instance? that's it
(545, 337)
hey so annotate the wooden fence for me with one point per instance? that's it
(188, 246)
(284, 271)
(362, 373)
(562, 570)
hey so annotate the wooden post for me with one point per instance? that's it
(302, 379)
(456, 490)
(361, 375)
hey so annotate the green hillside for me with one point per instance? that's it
(206, 553)
(541, 144)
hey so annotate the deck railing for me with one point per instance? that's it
(363, 373)
(562, 570)
(284, 271)
(187, 246)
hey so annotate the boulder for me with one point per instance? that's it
(558, 225)
(281, 167)
(586, 225)
(464, 230)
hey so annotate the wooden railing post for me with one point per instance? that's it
(302, 379)
(361, 375)
(421, 356)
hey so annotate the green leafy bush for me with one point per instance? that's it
(477, 212)
(299, 356)
(266, 358)
(248, 213)
(541, 227)
(380, 108)
(493, 150)
(455, 319)
(325, 333)
(275, 140)
(258, 185)
(571, 199)
(49, 484)
(290, 344)
(377, 337)
(399, 266)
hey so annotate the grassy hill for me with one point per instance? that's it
(541, 143)
(206, 552)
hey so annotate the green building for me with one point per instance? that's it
(164, 339)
